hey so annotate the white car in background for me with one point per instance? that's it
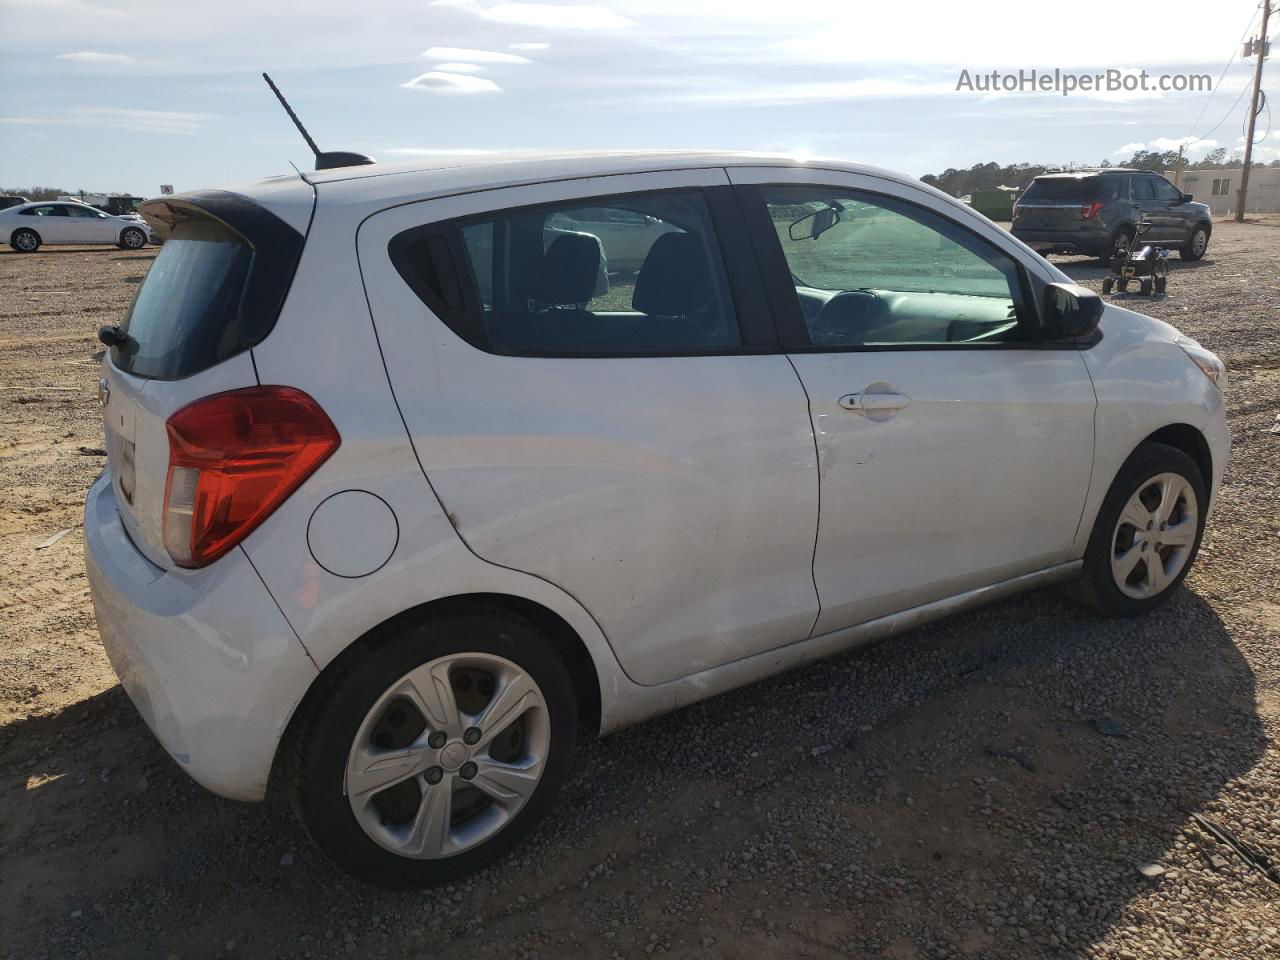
(28, 226)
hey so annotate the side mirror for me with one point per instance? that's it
(1187, 198)
(1142, 227)
(1070, 311)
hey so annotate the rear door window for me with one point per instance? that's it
(633, 275)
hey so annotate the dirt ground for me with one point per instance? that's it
(989, 786)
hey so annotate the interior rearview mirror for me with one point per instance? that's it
(1071, 311)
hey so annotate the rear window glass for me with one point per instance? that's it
(1066, 188)
(185, 315)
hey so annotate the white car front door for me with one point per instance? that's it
(646, 448)
(90, 225)
(955, 447)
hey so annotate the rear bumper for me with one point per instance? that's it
(1062, 241)
(206, 656)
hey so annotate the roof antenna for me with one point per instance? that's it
(325, 160)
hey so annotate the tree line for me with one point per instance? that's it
(39, 193)
(988, 176)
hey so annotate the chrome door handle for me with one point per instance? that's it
(873, 402)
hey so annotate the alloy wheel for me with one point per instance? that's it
(1199, 241)
(1154, 536)
(448, 755)
(25, 241)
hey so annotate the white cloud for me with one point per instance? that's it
(529, 46)
(92, 56)
(435, 152)
(570, 16)
(813, 91)
(437, 81)
(472, 56)
(459, 67)
(142, 121)
(1189, 144)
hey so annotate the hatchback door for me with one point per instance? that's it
(1061, 204)
(955, 447)
(644, 445)
(214, 289)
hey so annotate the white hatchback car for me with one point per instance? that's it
(28, 226)
(401, 493)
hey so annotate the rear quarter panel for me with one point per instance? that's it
(324, 343)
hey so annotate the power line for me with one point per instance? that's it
(1234, 53)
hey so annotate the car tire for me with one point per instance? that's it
(131, 238)
(25, 241)
(1114, 248)
(1108, 285)
(1196, 246)
(1117, 582)
(389, 698)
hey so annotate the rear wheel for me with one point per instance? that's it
(1147, 533)
(1144, 286)
(1118, 250)
(1107, 286)
(131, 238)
(1196, 246)
(25, 241)
(437, 750)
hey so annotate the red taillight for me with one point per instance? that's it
(233, 458)
(1090, 210)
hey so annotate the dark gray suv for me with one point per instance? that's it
(1096, 212)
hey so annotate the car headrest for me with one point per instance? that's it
(569, 269)
(675, 278)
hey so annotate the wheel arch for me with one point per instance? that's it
(568, 644)
(1191, 441)
(16, 230)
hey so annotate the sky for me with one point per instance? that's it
(126, 95)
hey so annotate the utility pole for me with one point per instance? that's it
(1177, 168)
(1253, 112)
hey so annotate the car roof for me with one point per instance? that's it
(438, 175)
(1081, 174)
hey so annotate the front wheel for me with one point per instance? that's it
(1147, 533)
(25, 241)
(436, 749)
(1195, 247)
(133, 239)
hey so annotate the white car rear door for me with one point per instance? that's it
(646, 448)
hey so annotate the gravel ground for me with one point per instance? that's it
(1015, 782)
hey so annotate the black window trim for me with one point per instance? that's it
(793, 331)
(756, 327)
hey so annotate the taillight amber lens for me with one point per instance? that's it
(233, 459)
